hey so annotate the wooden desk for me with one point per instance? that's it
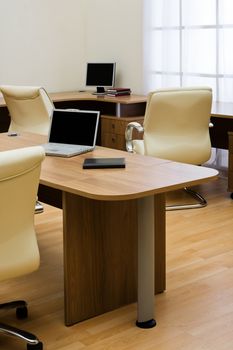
(222, 118)
(221, 133)
(114, 227)
(128, 108)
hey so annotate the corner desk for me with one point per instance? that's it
(113, 226)
(111, 129)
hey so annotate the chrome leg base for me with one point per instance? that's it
(147, 324)
(31, 340)
(38, 208)
(201, 202)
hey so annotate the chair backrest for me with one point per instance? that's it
(19, 179)
(30, 108)
(176, 124)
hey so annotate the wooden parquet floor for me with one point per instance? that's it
(195, 312)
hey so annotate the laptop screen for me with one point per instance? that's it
(77, 127)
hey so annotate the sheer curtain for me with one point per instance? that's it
(187, 43)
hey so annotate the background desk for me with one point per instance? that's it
(111, 129)
(222, 133)
(106, 212)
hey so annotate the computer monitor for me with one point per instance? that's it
(101, 75)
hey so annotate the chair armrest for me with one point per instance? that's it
(129, 134)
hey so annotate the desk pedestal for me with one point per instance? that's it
(100, 254)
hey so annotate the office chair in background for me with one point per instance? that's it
(19, 254)
(30, 109)
(176, 127)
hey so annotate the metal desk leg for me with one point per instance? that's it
(146, 263)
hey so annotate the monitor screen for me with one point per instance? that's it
(100, 75)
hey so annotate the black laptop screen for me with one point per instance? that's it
(74, 127)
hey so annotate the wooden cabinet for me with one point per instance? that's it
(230, 165)
(113, 130)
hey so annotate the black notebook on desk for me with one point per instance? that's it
(97, 163)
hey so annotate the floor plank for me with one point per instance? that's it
(195, 313)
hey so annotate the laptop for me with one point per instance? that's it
(72, 132)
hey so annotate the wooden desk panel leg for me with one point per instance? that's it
(100, 256)
(145, 315)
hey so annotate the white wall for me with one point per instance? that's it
(41, 42)
(114, 33)
(48, 42)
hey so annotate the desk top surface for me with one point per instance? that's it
(142, 176)
(75, 96)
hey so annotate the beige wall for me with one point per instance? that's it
(48, 42)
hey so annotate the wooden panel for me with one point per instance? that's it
(103, 107)
(160, 243)
(132, 109)
(50, 196)
(219, 133)
(230, 162)
(100, 254)
(4, 119)
(230, 136)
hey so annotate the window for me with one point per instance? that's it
(187, 43)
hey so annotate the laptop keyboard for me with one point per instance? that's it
(55, 147)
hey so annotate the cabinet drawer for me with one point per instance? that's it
(113, 131)
(113, 141)
(113, 126)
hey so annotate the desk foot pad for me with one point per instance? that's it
(146, 324)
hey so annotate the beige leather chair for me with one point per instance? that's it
(30, 109)
(19, 254)
(176, 127)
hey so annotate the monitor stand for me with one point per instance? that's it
(99, 91)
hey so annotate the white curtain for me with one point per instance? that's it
(188, 43)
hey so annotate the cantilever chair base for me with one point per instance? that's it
(38, 208)
(200, 204)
